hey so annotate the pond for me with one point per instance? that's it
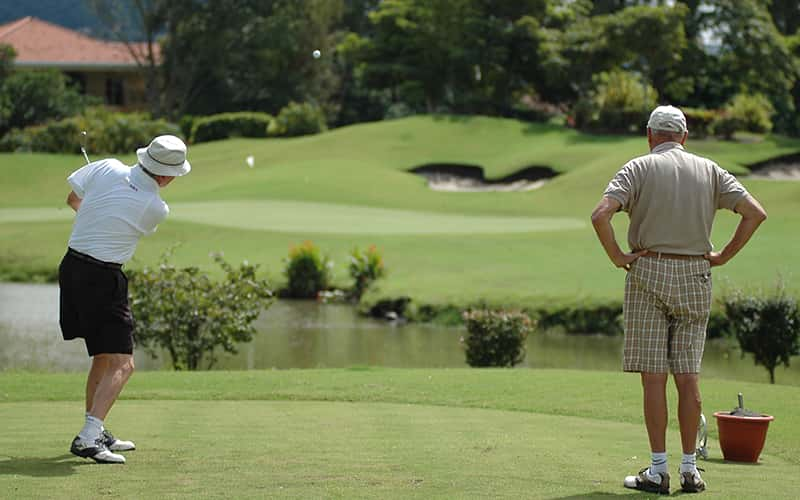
(298, 334)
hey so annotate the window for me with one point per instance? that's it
(115, 92)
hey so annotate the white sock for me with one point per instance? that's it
(91, 429)
(688, 463)
(658, 464)
(102, 427)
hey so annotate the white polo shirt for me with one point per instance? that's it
(119, 205)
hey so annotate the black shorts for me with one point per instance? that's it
(94, 304)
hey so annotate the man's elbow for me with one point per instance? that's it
(599, 217)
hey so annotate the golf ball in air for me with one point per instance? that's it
(316, 54)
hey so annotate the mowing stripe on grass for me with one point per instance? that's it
(38, 214)
(326, 218)
(329, 218)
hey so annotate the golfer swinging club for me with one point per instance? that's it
(671, 197)
(116, 205)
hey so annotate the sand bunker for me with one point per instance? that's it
(470, 179)
(782, 168)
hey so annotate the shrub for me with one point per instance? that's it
(745, 113)
(719, 326)
(224, 125)
(583, 318)
(495, 338)
(365, 268)
(186, 313)
(107, 132)
(186, 124)
(767, 326)
(618, 103)
(700, 121)
(34, 97)
(307, 271)
(297, 119)
(117, 132)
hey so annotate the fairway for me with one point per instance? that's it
(373, 433)
(325, 218)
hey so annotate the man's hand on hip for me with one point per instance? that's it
(715, 258)
(624, 260)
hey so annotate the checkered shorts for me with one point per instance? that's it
(667, 303)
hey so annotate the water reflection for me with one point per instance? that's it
(307, 335)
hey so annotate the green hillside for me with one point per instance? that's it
(351, 187)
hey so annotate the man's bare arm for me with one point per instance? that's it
(601, 220)
(753, 214)
(73, 200)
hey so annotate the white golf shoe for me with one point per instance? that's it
(97, 451)
(115, 444)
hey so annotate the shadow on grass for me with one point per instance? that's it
(62, 465)
(605, 494)
(722, 461)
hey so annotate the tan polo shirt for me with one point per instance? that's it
(671, 196)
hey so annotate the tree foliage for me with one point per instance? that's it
(396, 57)
(186, 313)
(766, 326)
(33, 97)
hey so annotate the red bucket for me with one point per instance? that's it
(742, 438)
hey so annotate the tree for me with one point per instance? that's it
(648, 40)
(766, 326)
(7, 56)
(456, 55)
(751, 54)
(33, 97)
(786, 15)
(138, 24)
(190, 316)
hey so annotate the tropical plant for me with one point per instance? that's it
(365, 267)
(307, 272)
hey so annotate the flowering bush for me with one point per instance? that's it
(365, 268)
(496, 338)
(307, 271)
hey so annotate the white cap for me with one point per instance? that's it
(166, 155)
(667, 119)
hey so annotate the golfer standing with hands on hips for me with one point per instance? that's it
(115, 205)
(671, 197)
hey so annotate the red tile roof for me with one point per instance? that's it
(42, 44)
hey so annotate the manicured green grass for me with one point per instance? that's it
(349, 187)
(373, 433)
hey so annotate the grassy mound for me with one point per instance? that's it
(350, 187)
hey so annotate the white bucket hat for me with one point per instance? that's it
(667, 119)
(166, 155)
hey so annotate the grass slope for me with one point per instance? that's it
(349, 187)
(373, 433)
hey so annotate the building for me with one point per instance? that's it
(100, 68)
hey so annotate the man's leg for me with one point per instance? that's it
(96, 373)
(654, 386)
(119, 370)
(689, 409)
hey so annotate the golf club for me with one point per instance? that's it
(702, 438)
(83, 146)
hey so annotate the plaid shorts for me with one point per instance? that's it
(667, 303)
